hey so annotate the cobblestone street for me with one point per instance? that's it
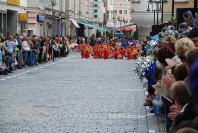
(75, 96)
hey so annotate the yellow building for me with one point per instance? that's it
(178, 4)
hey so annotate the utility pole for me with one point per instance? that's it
(74, 9)
(173, 8)
(157, 8)
(162, 19)
(195, 3)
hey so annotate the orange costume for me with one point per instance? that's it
(116, 52)
(122, 52)
(96, 52)
(105, 51)
(82, 50)
(129, 52)
(87, 51)
(135, 53)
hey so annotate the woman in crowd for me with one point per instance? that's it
(25, 50)
(176, 82)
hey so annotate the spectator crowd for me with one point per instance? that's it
(18, 52)
(170, 77)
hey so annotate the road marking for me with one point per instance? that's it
(151, 131)
(35, 69)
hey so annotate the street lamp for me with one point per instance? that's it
(173, 8)
(114, 21)
(53, 3)
(125, 21)
(120, 20)
(158, 3)
(149, 10)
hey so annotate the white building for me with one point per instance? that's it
(122, 13)
(110, 21)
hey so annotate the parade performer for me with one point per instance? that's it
(100, 51)
(96, 51)
(83, 50)
(129, 51)
(87, 51)
(122, 52)
(105, 51)
(135, 53)
(116, 52)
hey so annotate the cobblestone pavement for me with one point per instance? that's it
(75, 96)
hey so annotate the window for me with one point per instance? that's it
(95, 0)
(125, 11)
(115, 11)
(95, 11)
(95, 5)
(135, 1)
(120, 11)
(95, 16)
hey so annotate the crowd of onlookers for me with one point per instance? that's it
(172, 79)
(17, 52)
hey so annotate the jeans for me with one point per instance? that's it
(19, 58)
(34, 57)
(25, 57)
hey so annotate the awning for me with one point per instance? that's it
(102, 29)
(74, 22)
(86, 24)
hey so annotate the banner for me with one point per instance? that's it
(13, 2)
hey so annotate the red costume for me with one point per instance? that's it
(129, 51)
(87, 51)
(122, 52)
(105, 51)
(96, 52)
(116, 52)
(82, 50)
(135, 53)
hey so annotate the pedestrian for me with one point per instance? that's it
(25, 51)
(193, 35)
(182, 46)
(182, 99)
(187, 130)
(105, 50)
(10, 46)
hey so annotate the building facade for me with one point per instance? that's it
(46, 17)
(109, 14)
(144, 18)
(178, 4)
(13, 17)
(53, 17)
(122, 13)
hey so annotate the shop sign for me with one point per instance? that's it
(22, 17)
(13, 2)
(40, 18)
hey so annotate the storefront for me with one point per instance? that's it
(23, 22)
(3, 23)
(10, 17)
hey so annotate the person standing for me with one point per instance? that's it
(25, 50)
